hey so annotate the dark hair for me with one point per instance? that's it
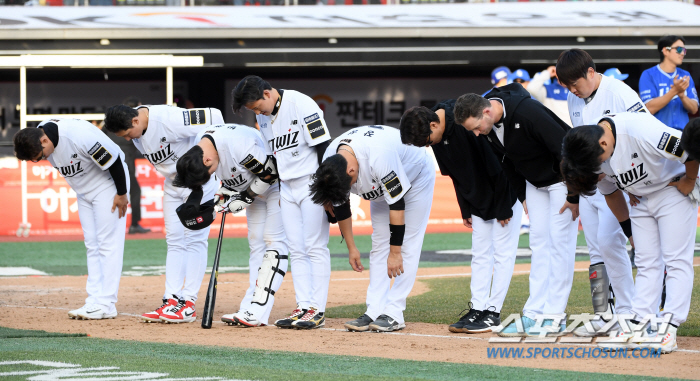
(118, 118)
(666, 41)
(191, 171)
(690, 139)
(331, 182)
(580, 159)
(132, 101)
(248, 90)
(415, 125)
(573, 64)
(470, 106)
(28, 143)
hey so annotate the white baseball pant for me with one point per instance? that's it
(606, 243)
(494, 248)
(307, 229)
(553, 244)
(104, 240)
(382, 297)
(265, 232)
(186, 261)
(664, 225)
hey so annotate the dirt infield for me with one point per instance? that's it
(42, 302)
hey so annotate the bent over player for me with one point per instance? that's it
(163, 134)
(293, 126)
(398, 180)
(591, 97)
(487, 203)
(236, 154)
(92, 165)
(638, 154)
(528, 136)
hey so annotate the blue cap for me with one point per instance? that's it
(519, 74)
(615, 73)
(499, 73)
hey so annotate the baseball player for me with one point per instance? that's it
(487, 203)
(93, 166)
(297, 136)
(592, 96)
(527, 135)
(667, 90)
(237, 155)
(163, 134)
(398, 180)
(690, 139)
(640, 155)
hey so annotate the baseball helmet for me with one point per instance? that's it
(193, 214)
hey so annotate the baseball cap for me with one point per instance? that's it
(196, 216)
(615, 73)
(519, 74)
(499, 73)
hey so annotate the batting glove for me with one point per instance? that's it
(223, 195)
(235, 203)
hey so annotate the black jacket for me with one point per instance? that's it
(480, 183)
(532, 137)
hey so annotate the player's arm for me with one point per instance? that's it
(105, 154)
(689, 97)
(536, 86)
(617, 204)
(464, 206)
(686, 183)
(119, 174)
(343, 214)
(388, 169)
(397, 229)
(661, 141)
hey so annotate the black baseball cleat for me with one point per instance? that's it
(483, 322)
(138, 229)
(294, 316)
(386, 323)
(360, 324)
(465, 319)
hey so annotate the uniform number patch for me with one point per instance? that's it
(674, 147)
(392, 184)
(315, 126)
(252, 164)
(194, 117)
(102, 156)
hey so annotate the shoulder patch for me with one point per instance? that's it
(94, 148)
(102, 156)
(674, 146)
(195, 117)
(346, 140)
(315, 126)
(663, 140)
(392, 184)
(637, 107)
(252, 164)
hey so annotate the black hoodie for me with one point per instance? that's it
(480, 184)
(532, 137)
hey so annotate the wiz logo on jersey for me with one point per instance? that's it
(160, 156)
(70, 170)
(234, 182)
(631, 177)
(284, 142)
(372, 195)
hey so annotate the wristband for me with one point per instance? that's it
(626, 226)
(397, 232)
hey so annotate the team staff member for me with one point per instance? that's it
(293, 126)
(640, 155)
(591, 97)
(545, 87)
(163, 134)
(486, 201)
(92, 165)
(398, 180)
(528, 136)
(669, 91)
(237, 155)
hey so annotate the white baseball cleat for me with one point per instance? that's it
(668, 343)
(247, 319)
(73, 314)
(95, 312)
(582, 331)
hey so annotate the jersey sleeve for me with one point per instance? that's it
(185, 123)
(390, 175)
(314, 127)
(660, 140)
(607, 186)
(254, 155)
(647, 89)
(101, 149)
(691, 92)
(628, 100)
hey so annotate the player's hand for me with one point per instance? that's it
(120, 202)
(552, 70)
(634, 201)
(504, 222)
(328, 207)
(237, 202)
(354, 257)
(631, 241)
(679, 85)
(468, 222)
(572, 207)
(222, 195)
(394, 263)
(525, 206)
(685, 185)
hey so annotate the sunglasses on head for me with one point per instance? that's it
(679, 49)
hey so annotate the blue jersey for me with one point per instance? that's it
(556, 91)
(655, 83)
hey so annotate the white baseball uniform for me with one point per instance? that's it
(389, 171)
(647, 157)
(605, 239)
(170, 134)
(291, 133)
(83, 156)
(241, 148)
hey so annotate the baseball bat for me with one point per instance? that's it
(208, 312)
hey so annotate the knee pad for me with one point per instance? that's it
(269, 268)
(601, 292)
